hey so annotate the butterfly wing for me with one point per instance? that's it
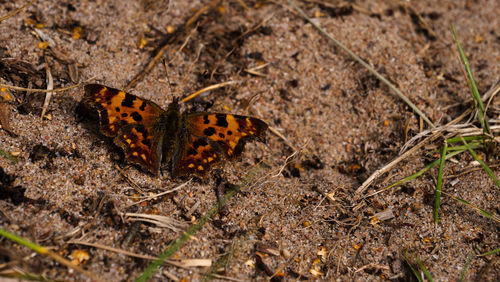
(212, 138)
(230, 132)
(133, 122)
(196, 156)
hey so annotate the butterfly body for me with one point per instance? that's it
(194, 143)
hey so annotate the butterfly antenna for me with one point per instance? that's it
(168, 78)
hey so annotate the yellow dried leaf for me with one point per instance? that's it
(79, 256)
(43, 45)
(322, 252)
(357, 246)
(142, 43)
(170, 29)
(374, 221)
(315, 272)
(77, 32)
(318, 14)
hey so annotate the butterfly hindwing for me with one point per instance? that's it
(132, 121)
(229, 131)
(197, 156)
(141, 146)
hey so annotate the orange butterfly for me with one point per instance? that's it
(194, 143)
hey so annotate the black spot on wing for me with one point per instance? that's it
(221, 120)
(209, 131)
(229, 132)
(146, 142)
(143, 106)
(124, 115)
(199, 142)
(128, 101)
(192, 152)
(142, 129)
(205, 119)
(117, 109)
(136, 116)
(221, 135)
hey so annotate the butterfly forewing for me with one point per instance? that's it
(117, 108)
(229, 131)
(132, 121)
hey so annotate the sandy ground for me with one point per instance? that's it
(71, 183)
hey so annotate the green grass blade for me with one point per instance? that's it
(478, 210)
(13, 237)
(495, 251)
(466, 267)
(467, 138)
(413, 269)
(426, 272)
(439, 182)
(422, 171)
(46, 252)
(485, 166)
(474, 145)
(472, 86)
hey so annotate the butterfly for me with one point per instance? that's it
(193, 143)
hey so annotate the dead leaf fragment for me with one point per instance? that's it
(5, 118)
(79, 256)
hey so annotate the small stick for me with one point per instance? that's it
(17, 11)
(50, 86)
(287, 142)
(161, 194)
(45, 90)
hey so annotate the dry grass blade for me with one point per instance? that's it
(183, 45)
(50, 86)
(158, 220)
(45, 90)
(463, 128)
(17, 11)
(124, 252)
(255, 71)
(287, 142)
(195, 262)
(208, 88)
(161, 194)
